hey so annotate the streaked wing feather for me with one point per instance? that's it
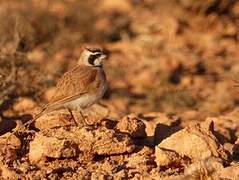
(61, 101)
(73, 84)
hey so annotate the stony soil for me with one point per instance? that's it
(171, 109)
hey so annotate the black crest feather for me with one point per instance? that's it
(94, 50)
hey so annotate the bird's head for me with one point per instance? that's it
(92, 57)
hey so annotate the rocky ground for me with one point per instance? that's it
(171, 109)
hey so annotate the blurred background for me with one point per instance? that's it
(176, 56)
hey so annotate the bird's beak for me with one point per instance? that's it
(103, 56)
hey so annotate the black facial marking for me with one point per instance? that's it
(94, 50)
(93, 57)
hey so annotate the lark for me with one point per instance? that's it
(80, 87)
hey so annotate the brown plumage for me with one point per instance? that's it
(75, 83)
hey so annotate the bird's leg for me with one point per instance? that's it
(83, 117)
(72, 115)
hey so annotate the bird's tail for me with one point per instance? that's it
(28, 123)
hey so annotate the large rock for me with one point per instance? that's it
(195, 142)
(84, 143)
(227, 126)
(158, 126)
(132, 125)
(154, 127)
(54, 119)
(93, 115)
(44, 146)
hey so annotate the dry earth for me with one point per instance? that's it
(171, 110)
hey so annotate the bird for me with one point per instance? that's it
(80, 87)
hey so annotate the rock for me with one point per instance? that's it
(168, 158)
(7, 173)
(122, 6)
(52, 147)
(81, 173)
(220, 100)
(62, 117)
(56, 119)
(195, 142)
(158, 126)
(36, 56)
(75, 141)
(95, 114)
(200, 5)
(133, 126)
(108, 142)
(49, 94)
(24, 104)
(231, 172)
(235, 68)
(9, 145)
(230, 149)
(142, 161)
(226, 126)
(204, 168)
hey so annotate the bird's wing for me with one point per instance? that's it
(75, 83)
